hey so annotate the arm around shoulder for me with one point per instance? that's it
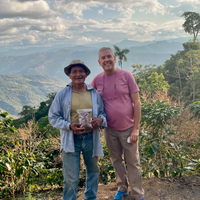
(101, 112)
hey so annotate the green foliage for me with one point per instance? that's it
(195, 108)
(192, 23)
(43, 123)
(149, 78)
(158, 155)
(38, 115)
(156, 114)
(18, 170)
(18, 164)
(121, 54)
(107, 172)
(28, 112)
(183, 73)
(157, 83)
(5, 122)
(26, 159)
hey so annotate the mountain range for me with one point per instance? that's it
(28, 75)
(53, 61)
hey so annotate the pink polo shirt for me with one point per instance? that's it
(115, 91)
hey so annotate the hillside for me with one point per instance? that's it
(19, 90)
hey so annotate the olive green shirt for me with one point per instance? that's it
(80, 100)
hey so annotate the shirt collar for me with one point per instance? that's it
(89, 87)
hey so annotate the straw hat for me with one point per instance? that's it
(74, 63)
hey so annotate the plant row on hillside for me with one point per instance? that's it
(169, 146)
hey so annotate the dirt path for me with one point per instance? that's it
(158, 189)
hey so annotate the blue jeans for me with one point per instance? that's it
(71, 165)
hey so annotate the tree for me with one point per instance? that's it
(140, 71)
(179, 72)
(157, 83)
(192, 23)
(121, 54)
(183, 72)
(150, 78)
(50, 98)
(194, 60)
(28, 112)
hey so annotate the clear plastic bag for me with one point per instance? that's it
(84, 118)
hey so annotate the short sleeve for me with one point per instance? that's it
(133, 87)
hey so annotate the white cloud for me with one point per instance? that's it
(29, 39)
(189, 1)
(84, 27)
(25, 0)
(152, 7)
(182, 7)
(100, 12)
(85, 39)
(28, 22)
(24, 24)
(29, 9)
(127, 12)
(172, 26)
(147, 6)
(71, 8)
(125, 6)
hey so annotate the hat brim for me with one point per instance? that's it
(87, 70)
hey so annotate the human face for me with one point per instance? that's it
(107, 61)
(77, 75)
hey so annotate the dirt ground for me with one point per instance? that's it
(158, 189)
(155, 189)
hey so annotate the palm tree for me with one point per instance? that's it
(121, 54)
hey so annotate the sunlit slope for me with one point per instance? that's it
(18, 90)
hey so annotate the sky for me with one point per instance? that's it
(26, 23)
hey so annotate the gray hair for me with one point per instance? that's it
(104, 49)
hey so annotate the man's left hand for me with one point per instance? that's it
(134, 135)
(96, 122)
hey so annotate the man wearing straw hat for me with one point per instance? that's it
(75, 139)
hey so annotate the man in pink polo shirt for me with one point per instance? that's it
(120, 94)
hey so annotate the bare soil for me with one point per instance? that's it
(155, 189)
(158, 189)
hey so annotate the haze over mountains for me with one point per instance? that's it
(50, 61)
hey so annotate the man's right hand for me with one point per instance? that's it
(76, 128)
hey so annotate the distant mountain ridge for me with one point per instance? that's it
(52, 62)
(19, 90)
(123, 44)
(28, 75)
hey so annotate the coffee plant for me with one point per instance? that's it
(159, 155)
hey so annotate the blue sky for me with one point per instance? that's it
(25, 23)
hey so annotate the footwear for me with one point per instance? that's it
(119, 194)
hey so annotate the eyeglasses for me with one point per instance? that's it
(115, 87)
